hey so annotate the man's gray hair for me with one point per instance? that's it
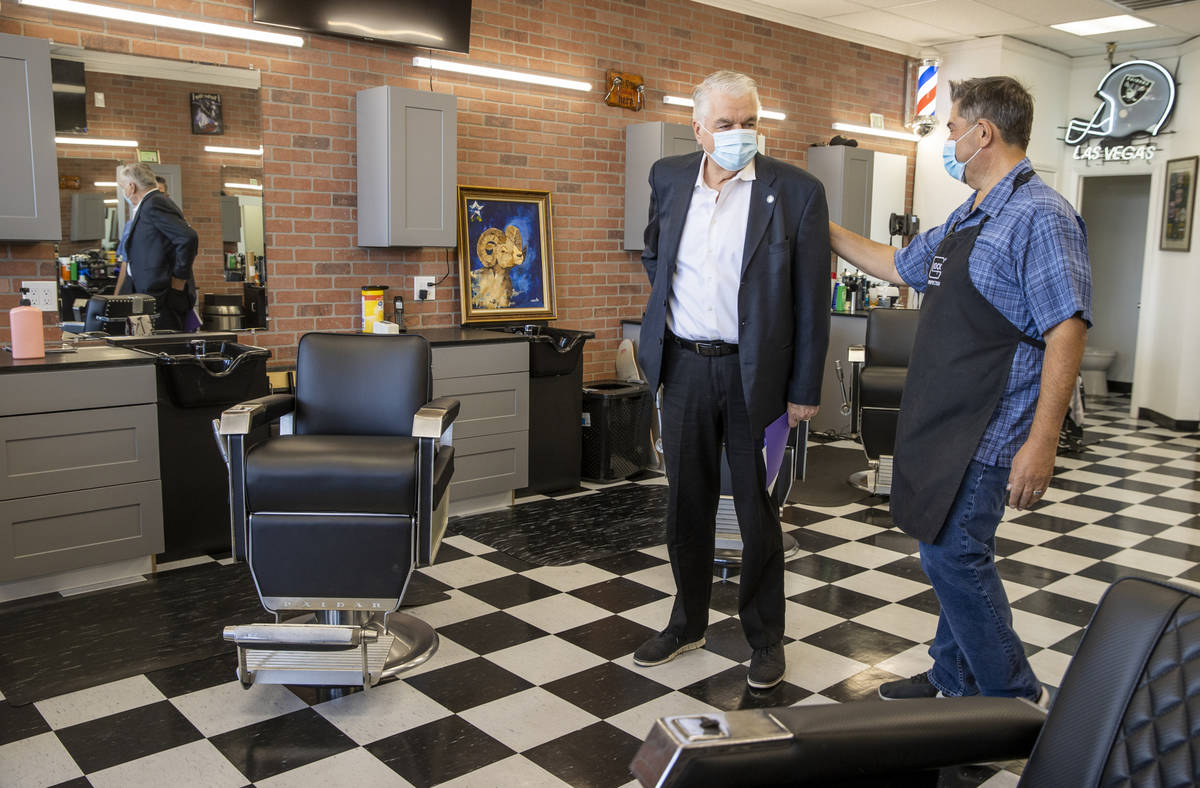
(731, 83)
(139, 173)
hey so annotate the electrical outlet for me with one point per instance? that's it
(43, 295)
(423, 283)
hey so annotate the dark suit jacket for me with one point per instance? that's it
(160, 245)
(783, 299)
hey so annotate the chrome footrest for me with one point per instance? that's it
(320, 668)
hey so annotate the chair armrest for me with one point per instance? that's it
(435, 417)
(243, 417)
(826, 744)
(856, 354)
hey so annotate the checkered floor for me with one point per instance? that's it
(534, 683)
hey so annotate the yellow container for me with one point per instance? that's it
(372, 306)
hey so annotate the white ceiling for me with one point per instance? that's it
(910, 26)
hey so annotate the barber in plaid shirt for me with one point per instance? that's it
(1007, 302)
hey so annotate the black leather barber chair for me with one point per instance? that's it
(878, 370)
(1125, 715)
(783, 456)
(334, 518)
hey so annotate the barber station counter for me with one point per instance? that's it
(80, 499)
(488, 372)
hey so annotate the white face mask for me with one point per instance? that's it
(954, 168)
(733, 149)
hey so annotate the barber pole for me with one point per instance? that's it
(925, 110)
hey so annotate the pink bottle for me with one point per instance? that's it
(25, 322)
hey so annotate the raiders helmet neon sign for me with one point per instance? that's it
(1136, 98)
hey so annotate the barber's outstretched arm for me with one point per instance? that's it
(876, 259)
(1033, 466)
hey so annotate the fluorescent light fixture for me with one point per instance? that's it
(113, 201)
(895, 135)
(162, 20)
(239, 151)
(687, 102)
(112, 184)
(1105, 24)
(96, 141)
(499, 73)
(255, 186)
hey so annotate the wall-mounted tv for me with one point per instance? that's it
(433, 24)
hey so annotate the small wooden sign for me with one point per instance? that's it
(68, 181)
(624, 90)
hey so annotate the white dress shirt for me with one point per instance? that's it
(708, 267)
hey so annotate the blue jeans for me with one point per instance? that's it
(975, 651)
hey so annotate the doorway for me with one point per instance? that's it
(1116, 209)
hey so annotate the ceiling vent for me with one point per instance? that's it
(1149, 5)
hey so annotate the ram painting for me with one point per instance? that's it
(505, 253)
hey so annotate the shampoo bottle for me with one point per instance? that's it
(25, 323)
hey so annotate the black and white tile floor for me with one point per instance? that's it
(534, 683)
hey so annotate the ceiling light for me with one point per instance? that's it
(1106, 24)
(499, 73)
(105, 184)
(162, 20)
(113, 201)
(687, 102)
(240, 151)
(895, 135)
(255, 186)
(96, 141)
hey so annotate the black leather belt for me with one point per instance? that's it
(713, 347)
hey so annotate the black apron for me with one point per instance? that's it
(956, 375)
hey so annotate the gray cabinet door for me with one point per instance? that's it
(846, 174)
(407, 167)
(29, 209)
(646, 143)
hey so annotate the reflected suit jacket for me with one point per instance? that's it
(783, 296)
(160, 245)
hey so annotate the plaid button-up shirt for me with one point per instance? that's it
(1031, 263)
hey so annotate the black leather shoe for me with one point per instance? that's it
(663, 647)
(917, 686)
(767, 666)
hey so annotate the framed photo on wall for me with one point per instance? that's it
(1179, 205)
(206, 113)
(505, 255)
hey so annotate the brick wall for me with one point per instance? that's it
(564, 142)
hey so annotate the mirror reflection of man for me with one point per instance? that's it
(159, 247)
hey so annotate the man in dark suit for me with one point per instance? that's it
(737, 251)
(159, 247)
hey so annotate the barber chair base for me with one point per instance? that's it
(403, 644)
(876, 480)
(728, 553)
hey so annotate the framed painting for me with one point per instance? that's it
(505, 255)
(206, 113)
(1179, 205)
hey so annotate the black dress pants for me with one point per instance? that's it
(702, 405)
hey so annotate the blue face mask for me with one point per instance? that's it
(733, 149)
(956, 169)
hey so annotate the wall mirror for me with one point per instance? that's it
(156, 103)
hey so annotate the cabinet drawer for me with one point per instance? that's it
(74, 389)
(460, 361)
(56, 533)
(49, 453)
(489, 464)
(490, 404)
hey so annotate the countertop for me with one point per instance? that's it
(466, 336)
(98, 355)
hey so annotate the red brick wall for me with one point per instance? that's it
(564, 142)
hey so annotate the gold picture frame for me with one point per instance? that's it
(149, 156)
(505, 255)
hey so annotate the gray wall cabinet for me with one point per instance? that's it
(646, 143)
(29, 208)
(407, 167)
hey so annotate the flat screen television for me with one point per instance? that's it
(432, 24)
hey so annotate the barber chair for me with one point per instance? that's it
(1124, 716)
(878, 369)
(783, 454)
(334, 518)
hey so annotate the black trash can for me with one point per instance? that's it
(616, 429)
(555, 405)
(198, 376)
